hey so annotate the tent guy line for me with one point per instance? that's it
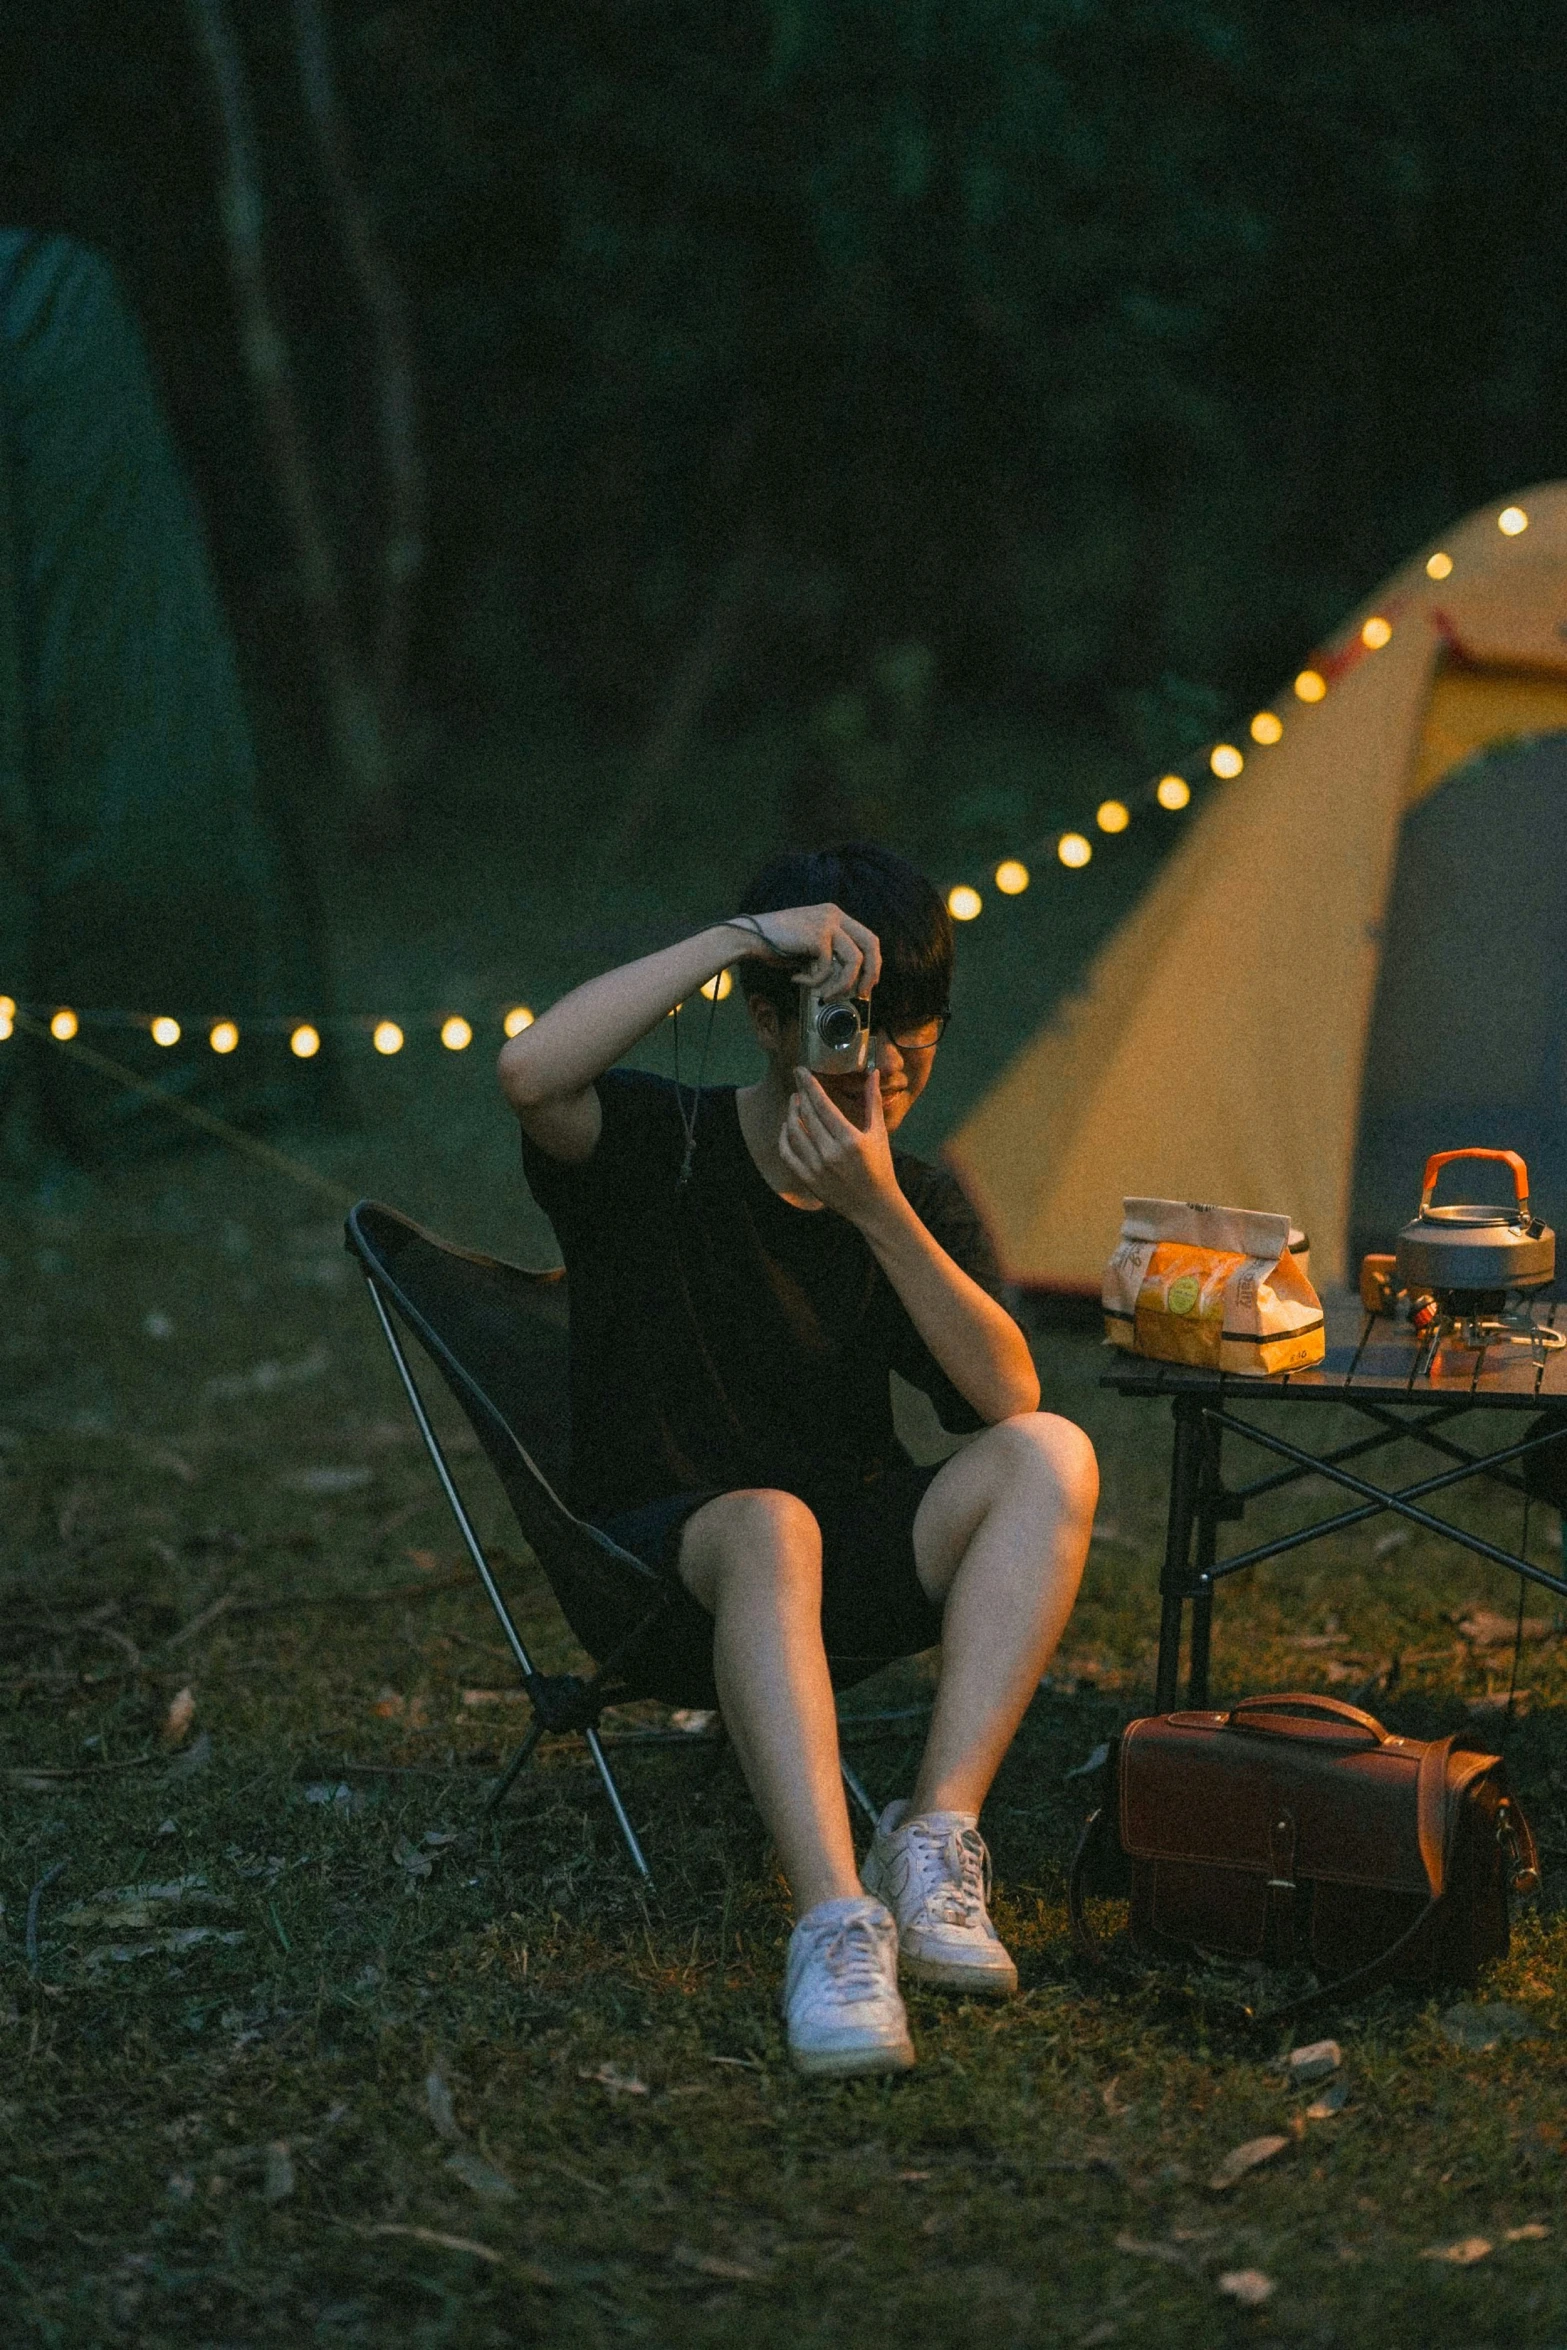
(219, 1128)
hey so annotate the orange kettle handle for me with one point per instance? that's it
(1439, 1159)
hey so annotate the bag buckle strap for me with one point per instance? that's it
(1279, 1922)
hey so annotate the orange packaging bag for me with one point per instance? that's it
(1215, 1287)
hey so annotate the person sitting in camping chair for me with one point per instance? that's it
(746, 1267)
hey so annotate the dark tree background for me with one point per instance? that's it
(1087, 356)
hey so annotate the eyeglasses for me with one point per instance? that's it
(919, 1037)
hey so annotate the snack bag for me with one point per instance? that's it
(1219, 1288)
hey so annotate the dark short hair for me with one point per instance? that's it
(885, 892)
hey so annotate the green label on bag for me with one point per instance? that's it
(1182, 1295)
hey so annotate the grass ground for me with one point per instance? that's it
(312, 2051)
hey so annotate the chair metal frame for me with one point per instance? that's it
(562, 1702)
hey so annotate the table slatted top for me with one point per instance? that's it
(1374, 1357)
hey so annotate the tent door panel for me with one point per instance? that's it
(1468, 1039)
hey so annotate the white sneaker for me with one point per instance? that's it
(933, 1873)
(840, 1994)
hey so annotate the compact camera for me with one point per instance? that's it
(835, 1033)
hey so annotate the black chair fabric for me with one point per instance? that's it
(497, 1334)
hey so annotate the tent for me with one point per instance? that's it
(1357, 955)
(140, 871)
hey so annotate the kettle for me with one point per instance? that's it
(1475, 1250)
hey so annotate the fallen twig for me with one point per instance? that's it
(28, 1774)
(33, 1901)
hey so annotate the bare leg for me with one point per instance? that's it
(754, 1560)
(1001, 1536)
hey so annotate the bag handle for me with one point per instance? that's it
(1307, 1702)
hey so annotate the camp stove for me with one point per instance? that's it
(1469, 1272)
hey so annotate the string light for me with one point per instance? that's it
(517, 1019)
(456, 1034)
(963, 903)
(7, 1016)
(388, 1037)
(1012, 877)
(1310, 686)
(1073, 850)
(1376, 633)
(1225, 760)
(1173, 792)
(1112, 816)
(165, 1032)
(716, 988)
(63, 1026)
(223, 1036)
(1438, 566)
(305, 1042)
(1512, 520)
(1266, 727)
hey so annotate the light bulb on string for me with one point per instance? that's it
(1173, 792)
(1074, 850)
(7, 1016)
(1226, 760)
(1376, 633)
(1012, 877)
(456, 1034)
(1112, 816)
(517, 1019)
(1512, 520)
(64, 1025)
(718, 987)
(963, 903)
(305, 1042)
(1310, 686)
(1266, 727)
(223, 1036)
(387, 1037)
(165, 1032)
(1439, 565)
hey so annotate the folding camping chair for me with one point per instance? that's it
(497, 1335)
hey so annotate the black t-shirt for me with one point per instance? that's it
(720, 1337)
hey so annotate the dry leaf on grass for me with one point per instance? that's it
(277, 2173)
(713, 2264)
(1170, 2253)
(481, 2176)
(176, 1943)
(409, 1858)
(438, 2098)
(1332, 2100)
(1248, 2286)
(178, 1719)
(1241, 2159)
(1484, 1629)
(1463, 2254)
(1533, 2231)
(1478, 2028)
(1314, 2062)
(494, 1696)
(529, 2270)
(326, 1481)
(610, 2077)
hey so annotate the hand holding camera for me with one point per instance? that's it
(846, 1166)
(828, 950)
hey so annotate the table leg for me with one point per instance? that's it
(1210, 1500)
(1175, 1580)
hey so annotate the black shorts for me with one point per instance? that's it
(873, 1606)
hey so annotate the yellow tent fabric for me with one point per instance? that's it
(1216, 1050)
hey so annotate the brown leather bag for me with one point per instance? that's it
(1297, 1830)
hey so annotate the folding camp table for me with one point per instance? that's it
(1373, 1368)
